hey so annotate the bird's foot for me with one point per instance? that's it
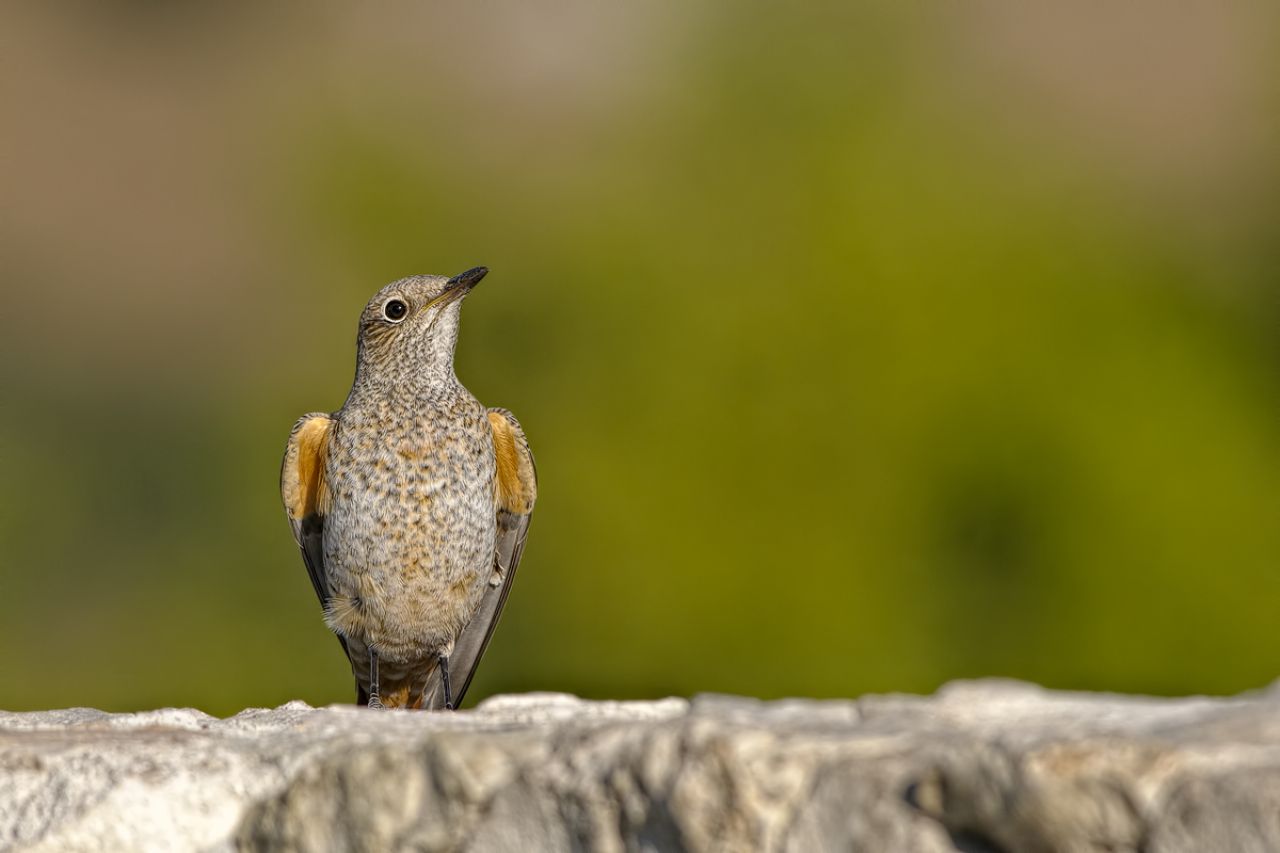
(444, 673)
(375, 701)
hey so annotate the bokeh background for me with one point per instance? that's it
(862, 346)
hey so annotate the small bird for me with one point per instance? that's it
(411, 503)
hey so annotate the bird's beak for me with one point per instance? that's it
(469, 279)
(458, 286)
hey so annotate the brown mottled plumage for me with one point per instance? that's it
(411, 503)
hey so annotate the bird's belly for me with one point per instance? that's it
(408, 555)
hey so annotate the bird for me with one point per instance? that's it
(411, 504)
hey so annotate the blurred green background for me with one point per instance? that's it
(862, 347)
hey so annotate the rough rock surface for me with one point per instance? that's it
(981, 766)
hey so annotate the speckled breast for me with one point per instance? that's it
(409, 540)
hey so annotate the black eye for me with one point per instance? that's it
(395, 310)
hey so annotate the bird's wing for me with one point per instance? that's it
(516, 491)
(306, 494)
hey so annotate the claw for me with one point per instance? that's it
(375, 701)
(444, 676)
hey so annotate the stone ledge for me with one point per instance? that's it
(980, 766)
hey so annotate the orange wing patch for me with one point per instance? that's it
(515, 488)
(302, 480)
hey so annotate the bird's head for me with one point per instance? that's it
(409, 329)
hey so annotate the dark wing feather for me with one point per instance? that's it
(515, 508)
(309, 534)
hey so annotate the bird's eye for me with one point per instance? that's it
(395, 310)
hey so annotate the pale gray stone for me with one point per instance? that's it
(980, 766)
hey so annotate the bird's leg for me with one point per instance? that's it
(444, 677)
(375, 701)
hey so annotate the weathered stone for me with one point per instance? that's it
(981, 766)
